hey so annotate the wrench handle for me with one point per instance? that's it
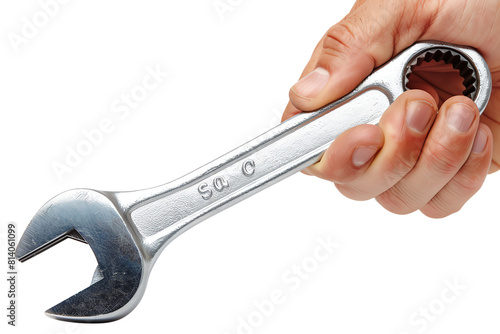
(160, 214)
(269, 158)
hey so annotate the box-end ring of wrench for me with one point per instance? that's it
(128, 230)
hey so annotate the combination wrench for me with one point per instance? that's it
(127, 231)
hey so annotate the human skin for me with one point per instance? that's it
(416, 158)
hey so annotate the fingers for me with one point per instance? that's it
(467, 181)
(488, 119)
(444, 157)
(368, 37)
(415, 159)
(395, 147)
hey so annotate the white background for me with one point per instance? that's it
(228, 81)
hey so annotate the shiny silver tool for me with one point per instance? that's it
(128, 230)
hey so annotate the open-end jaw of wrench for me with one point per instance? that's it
(128, 230)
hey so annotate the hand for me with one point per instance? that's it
(416, 158)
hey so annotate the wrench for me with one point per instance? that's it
(127, 231)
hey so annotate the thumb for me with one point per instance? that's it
(366, 38)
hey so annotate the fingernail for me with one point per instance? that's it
(460, 117)
(363, 154)
(309, 86)
(480, 141)
(419, 114)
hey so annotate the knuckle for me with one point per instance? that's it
(435, 213)
(442, 159)
(396, 201)
(353, 193)
(340, 40)
(400, 165)
(439, 208)
(469, 182)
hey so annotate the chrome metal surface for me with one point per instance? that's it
(128, 230)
